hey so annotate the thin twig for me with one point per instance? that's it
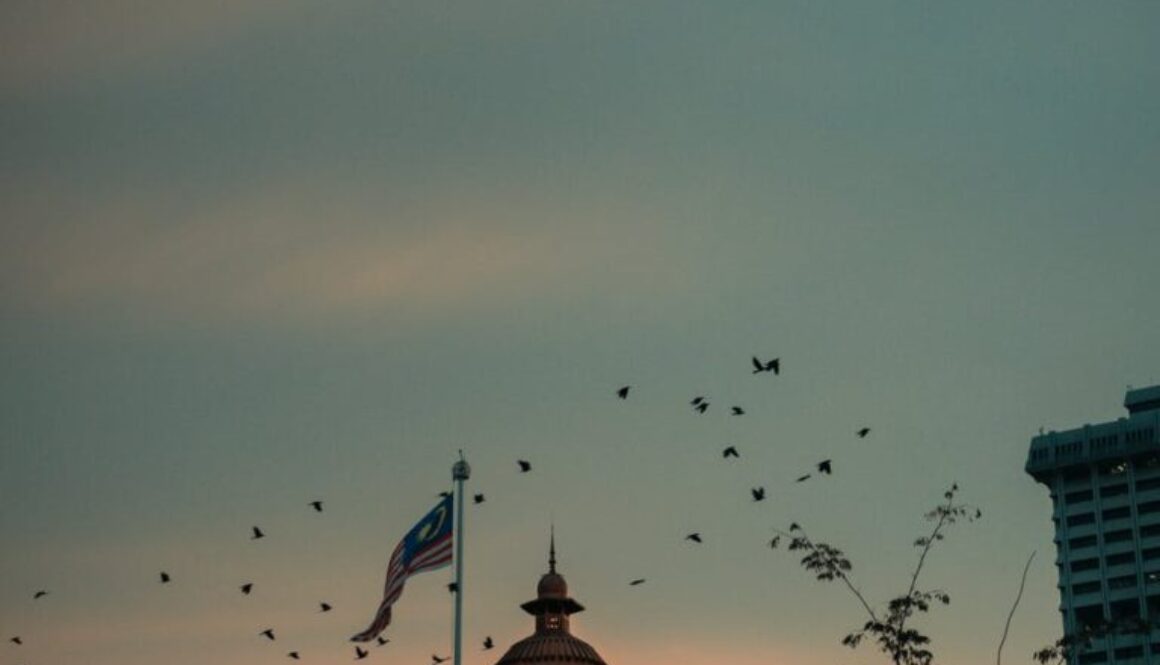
(1018, 597)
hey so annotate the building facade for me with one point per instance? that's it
(1104, 482)
(552, 643)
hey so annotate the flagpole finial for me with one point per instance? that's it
(552, 550)
(461, 470)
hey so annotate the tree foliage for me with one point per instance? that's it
(889, 626)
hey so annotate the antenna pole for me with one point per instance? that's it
(459, 473)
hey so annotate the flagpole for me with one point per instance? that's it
(459, 473)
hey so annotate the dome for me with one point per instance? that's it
(552, 585)
(559, 648)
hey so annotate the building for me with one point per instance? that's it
(553, 642)
(1105, 486)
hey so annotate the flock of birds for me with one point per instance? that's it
(700, 404)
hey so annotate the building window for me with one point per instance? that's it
(1149, 462)
(1084, 541)
(1151, 553)
(1145, 484)
(1150, 530)
(1118, 536)
(1082, 518)
(1120, 559)
(1127, 653)
(1093, 657)
(1080, 496)
(1125, 609)
(1152, 578)
(1076, 474)
(1121, 512)
(1113, 490)
(1090, 615)
(1084, 564)
(1154, 606)
(1123, 582)
(1085, 587)
(1148, 507)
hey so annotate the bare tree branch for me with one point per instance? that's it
(1018, 597)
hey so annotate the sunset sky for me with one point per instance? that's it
(260, 252)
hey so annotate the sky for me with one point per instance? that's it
(257, 253)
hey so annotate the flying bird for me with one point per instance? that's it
(702, 407)
(247, 587)
(525, 466)
(479, 499)
(738, 411)
(487, 643)
(257, 534)
(317, 506)
(359, 653)
(39, 594)
(324, 607)
(636, 582)
(453, 587)
(774, 541)
(293, 654)
(695, 537)
(731, 451)
(863, 432)
(623, 392)
(794, 526)
(381, 640)
(436, 659)
(802, 479)
(268, 634)
(16, 640)
(771, 366)
(758, 493)
(444, 495)
(825, 467)
(164, 577)
(697, 400)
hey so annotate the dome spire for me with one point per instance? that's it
(552, 550)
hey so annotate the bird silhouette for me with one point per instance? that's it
(324, 607)
(771, 366)
(731, 451)
(16, 640)
(758, 493)
(257, 534)
(702, 407)
(695, 537)
(453, 587)
(39, 594)
(623, 392)
(164, 577)
(436, 659)
(479, 499)
(774, 541)
(738, 411)
(697, 400)
(268, 634)
(825, 467)
(247, 587)
(802, 479)
(360, 653)
(444, 495)
(863, 432)
(487, 643)
(525, 466)
(381, 640)
(794, 526)
(317, 506)
(294, 655)
(636, 582)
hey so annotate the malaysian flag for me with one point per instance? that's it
(427, 546)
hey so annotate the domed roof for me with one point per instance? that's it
(552, 585)
(559, 648)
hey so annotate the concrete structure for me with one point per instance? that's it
(1105, 485)
(553, 642)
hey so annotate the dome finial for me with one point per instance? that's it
(552, 550)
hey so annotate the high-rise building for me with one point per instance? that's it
(1105, 486)
(553, 642)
